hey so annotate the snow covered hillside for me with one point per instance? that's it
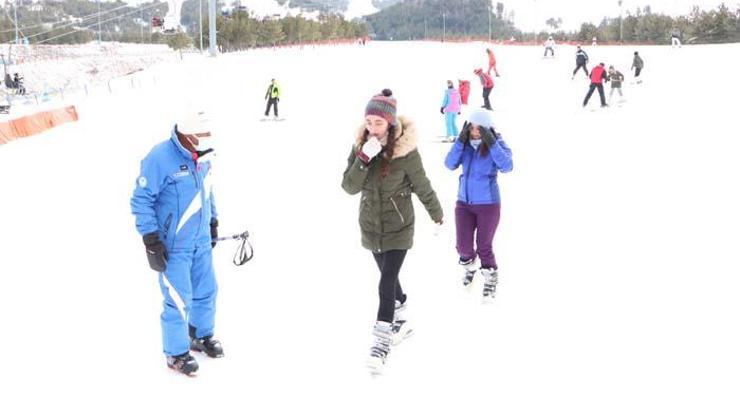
(617, 245)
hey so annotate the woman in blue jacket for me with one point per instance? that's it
(482, 153)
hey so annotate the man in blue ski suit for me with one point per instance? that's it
(176, 215)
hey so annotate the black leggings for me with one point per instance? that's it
(389, 289)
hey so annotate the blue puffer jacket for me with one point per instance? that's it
(478, 180)
(173, 196)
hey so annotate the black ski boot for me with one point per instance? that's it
(184, 363)
(208, 345)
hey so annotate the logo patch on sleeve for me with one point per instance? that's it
(142, 181)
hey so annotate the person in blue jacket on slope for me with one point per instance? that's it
(482, 153)
(176, 215)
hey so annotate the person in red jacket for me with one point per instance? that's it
(487, 83)
(491, 62)
(598, 75)
(464, 87)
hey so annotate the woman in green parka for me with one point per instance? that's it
(385, 167)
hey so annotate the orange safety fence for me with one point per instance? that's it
(36, 123)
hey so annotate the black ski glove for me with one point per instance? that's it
(464, 133)
(489, 136)
(214, 232)
(156, 253)
(442, 110)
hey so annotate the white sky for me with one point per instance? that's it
(531, 14)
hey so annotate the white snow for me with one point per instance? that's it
(359, 8)
(51, 68)
(617, 245)
(270, 8)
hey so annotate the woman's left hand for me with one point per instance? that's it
(489, 136)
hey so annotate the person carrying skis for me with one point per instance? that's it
(176, 215)
(385, 166)
(464, 87)
(482, 153)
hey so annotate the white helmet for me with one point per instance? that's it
(195, 123)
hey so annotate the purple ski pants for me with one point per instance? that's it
(480, 221)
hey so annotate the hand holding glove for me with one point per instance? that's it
(156, 253)
(370, 149)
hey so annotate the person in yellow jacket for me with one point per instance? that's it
(272, 96)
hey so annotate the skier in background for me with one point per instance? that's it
(615, 79)
(550, 46)
(598, 75)
(273, 97)
(581, 61)
(451, 105)
(637, 65)
(491, 62)
(487, 83)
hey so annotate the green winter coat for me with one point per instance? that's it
(386, 210)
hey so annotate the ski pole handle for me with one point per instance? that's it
(243, 235)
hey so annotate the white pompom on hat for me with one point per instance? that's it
(194, 123)
(481, 117)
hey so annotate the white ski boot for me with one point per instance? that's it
(383, 332)
(470, 267)
(401, 327)
(489, 285)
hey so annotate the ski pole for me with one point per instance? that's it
(244, 251)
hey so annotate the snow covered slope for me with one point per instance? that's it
(617, 245)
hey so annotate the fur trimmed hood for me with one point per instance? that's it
(406, 137)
